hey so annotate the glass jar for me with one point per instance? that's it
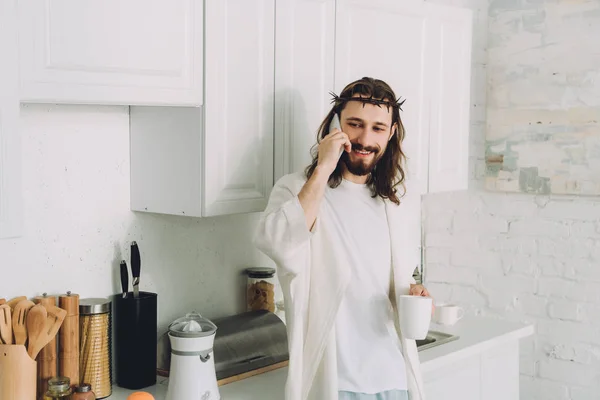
(95, 340)
(59, 388)
(261, 288)
(83, 392)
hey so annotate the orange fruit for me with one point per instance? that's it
(140, 396)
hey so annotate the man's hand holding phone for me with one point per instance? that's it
(332, 146)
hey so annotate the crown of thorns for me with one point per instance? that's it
(379, 102)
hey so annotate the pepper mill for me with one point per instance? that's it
(46, 359)
(68, 345)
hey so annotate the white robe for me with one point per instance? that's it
(313, 274)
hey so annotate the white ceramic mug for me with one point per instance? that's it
(448, 314)
(414, 315)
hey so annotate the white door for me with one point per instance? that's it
(449, 56)
(144, 52)
(10, 144)
(239, 101)
(303, 78)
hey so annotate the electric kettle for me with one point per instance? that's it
(192, 375)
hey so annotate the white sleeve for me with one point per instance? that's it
(282, 232)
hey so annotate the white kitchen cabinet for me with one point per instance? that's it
(386, 39)
(422, 50)
(456, 382)
(500, 373)
(217, 159)
(10, 144)
(111, 51)
(489, 375)
(304, 74)
(239, 101)
(449, 56)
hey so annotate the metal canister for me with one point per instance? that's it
(95, 341)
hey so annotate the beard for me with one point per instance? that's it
(361, 167)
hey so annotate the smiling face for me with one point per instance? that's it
(369, 114)
(369, 128)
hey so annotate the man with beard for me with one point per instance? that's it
(332, 231)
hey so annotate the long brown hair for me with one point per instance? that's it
(388, 172)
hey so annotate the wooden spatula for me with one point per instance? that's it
(19, 321)
(36, 324)
(5, 324)
(2, 301)
(54, 319)
(56, 316)
(13, 302)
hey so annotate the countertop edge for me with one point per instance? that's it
(477, 348)
(454, 352)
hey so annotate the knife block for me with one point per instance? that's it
(18, 373)
(136, 339)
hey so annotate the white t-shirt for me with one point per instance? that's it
(368, 357)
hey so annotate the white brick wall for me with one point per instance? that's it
(520, 257)
(542, 270)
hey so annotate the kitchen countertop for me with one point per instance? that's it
(477, 334)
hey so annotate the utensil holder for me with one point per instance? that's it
(18, 373)
(136, 331)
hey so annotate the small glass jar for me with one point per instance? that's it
(83, 392)
(59, 388)
(260, 293)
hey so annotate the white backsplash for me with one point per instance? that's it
(78, 225)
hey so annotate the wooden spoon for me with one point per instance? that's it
(2, 301)
(5, 324)
(13, 302)
(19, 321)
(36, 324)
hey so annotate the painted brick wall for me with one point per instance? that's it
(543, 102)
(516, 256)
(525, 258)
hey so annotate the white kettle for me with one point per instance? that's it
(192, 375)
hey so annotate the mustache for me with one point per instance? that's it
(373, 149)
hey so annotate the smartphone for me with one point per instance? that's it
(335, 124)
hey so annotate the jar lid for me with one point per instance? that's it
(83, 388)
(191, 326)
(59, 384)
(94, 306)
(259, 272)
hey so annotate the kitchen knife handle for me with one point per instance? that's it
(124, 278)
(135, 260)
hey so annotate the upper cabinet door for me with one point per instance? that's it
(303, 78)
(386, 39)
(10, 148)
(238, 105)
(145, 52)
(449, 58)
